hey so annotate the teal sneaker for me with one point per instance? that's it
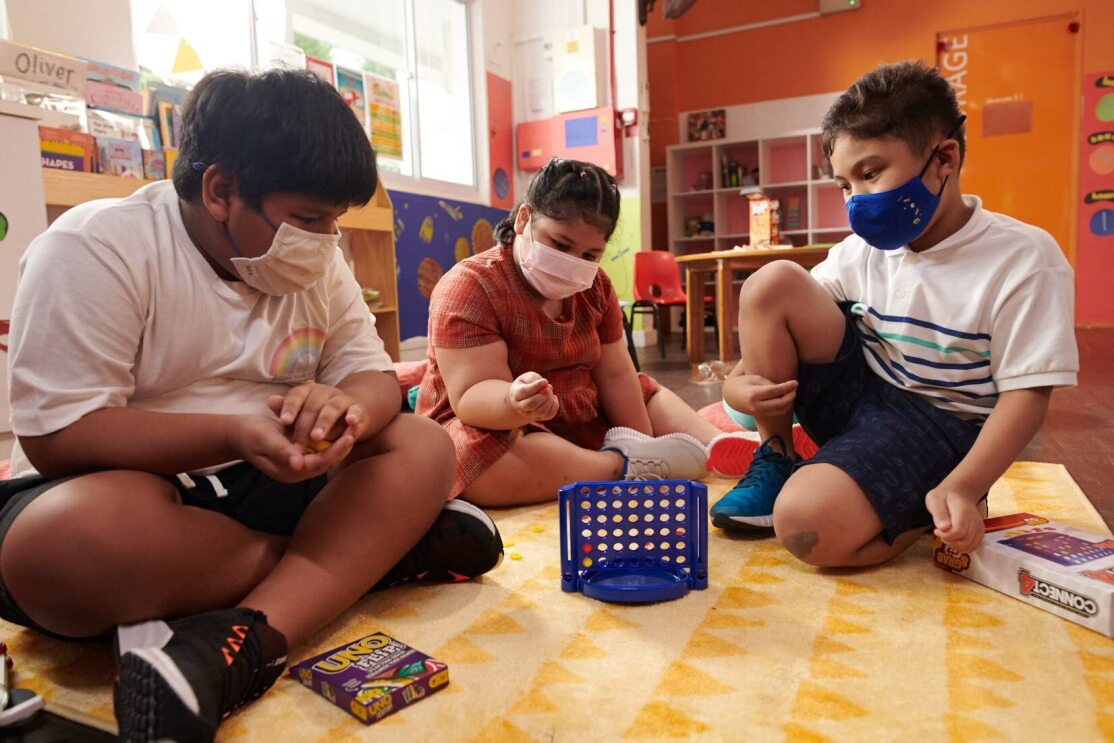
(750, 504)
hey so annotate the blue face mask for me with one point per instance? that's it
(893, 218)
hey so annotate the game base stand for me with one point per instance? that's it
(373, 677)
(634, 542)
(1052, 566)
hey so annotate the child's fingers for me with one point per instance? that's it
(941, 517)
(325, 460)
(776, 404)
(293, 401)
(274, 404)
(524, 391)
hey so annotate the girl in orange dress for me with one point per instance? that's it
(529, 372)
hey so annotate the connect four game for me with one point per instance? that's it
(1064, 549)
(634, 542)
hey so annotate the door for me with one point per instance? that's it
(1017, 83)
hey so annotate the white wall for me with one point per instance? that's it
(99, 29)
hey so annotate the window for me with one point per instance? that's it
(432, 69)
(182, 39)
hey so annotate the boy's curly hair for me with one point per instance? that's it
(907, 100)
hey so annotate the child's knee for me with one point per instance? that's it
(772, 281)
(804, 528)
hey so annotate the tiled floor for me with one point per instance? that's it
(1078, 433)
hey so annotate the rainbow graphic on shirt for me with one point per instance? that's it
(296, 359)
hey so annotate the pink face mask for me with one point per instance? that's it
(554, 274)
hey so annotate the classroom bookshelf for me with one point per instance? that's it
(369, 231)
(791, 168)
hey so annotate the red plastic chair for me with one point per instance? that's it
(657, 284)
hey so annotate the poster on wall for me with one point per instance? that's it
(431, 236)
(351, 86)
(707, 125)
(322, 68)
(1094, 267)
(386, 115)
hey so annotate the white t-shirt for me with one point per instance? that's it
(985, 311)
(116, 307)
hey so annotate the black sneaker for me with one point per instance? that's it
(463, 543)
(175, 681)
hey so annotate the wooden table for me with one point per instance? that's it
(722, 263)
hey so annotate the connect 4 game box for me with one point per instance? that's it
(1054, 567)
(373, 676)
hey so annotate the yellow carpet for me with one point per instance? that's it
(772, 650)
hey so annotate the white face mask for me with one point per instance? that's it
(554, 274)
(296, 260)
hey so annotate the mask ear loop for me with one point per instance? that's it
(949, 135)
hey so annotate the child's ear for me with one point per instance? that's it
(217, 187)
(521, 218)
(948, 157)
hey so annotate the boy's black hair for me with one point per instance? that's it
(568, 189)
(907, 100)
(277, 131)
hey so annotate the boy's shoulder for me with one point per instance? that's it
(1014, 240)
(114, 223)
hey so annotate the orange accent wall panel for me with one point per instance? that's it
(1094, 268)
(500, 131)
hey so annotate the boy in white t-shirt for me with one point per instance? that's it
(920, 354)
(180, 362)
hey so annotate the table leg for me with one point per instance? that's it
(694, 307)
(725, 312)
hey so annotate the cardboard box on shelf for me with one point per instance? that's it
(1051, 566)
(765, 221)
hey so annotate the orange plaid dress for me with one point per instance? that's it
(485, 299)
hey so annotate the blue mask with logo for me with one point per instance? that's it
(893, 218)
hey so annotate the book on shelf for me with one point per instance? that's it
(109, 97)
(120, 77)
(65, 149)
(119, 157)
(154, 165)
(122, 126)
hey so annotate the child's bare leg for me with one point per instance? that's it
(825, 519)
(535, 467)
(359, 526)
(670, 414)
(784, 317)
(117, 547)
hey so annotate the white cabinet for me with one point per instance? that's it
(22, 217)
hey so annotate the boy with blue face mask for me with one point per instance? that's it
(920, 354)
(210, 459)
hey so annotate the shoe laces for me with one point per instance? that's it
(647, 469)
(767, 466)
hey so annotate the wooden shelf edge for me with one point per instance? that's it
(382, 310)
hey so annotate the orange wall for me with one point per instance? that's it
(822, 54)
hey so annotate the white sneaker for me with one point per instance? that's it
(674, 456)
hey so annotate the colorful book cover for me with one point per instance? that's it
(351, 86)
(167, 118)
(65, 149)
(113, 98)
(322, 68)
(121, 77)
(154, 165)
(119, 157)
(158, 92)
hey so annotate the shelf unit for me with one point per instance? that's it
(791, 168)
(369, 231)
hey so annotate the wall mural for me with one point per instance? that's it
(431, 235)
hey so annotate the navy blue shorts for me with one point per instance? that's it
(894, 444)
(240, 492)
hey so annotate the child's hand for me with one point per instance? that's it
(958, 521)
(758, 396)
(262, 441)
(317, 412)
(532, 397)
